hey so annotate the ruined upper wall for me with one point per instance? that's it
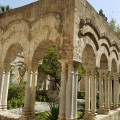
(85, 10)
(34, 18)
(35, 10)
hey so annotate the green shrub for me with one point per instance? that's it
(51, 114)
(41, 98)
(13, 103)
(81, 95)
(41, 116)
(80, 114)
(97, 100)
(16, 95)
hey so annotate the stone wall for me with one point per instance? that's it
(5, 115)
(113, 115)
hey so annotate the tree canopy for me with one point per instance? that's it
(114, 25)
(4, 8)
(50, 65)
(102, 14)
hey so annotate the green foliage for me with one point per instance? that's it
(41, 98)
(4, 8)
(102, 14)
(81, 72)
(97, 100)
(41, 116)
(113, 24)
(81, 95)
(12, 92)
(16, 95)
(80, 114)
(52, 114)
(14, 103)
(51, 66)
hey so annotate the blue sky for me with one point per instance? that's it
(16, 3)
(111, 8)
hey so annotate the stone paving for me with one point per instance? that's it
(14, 114)
(39, 107)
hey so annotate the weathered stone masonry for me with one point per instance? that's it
(81, 35)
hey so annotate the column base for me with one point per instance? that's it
(101, 111)
(61, 118)
(90, 116)
(4, 107)
(71, 119)
(118, 104)
(114, 107)
(28, 115)
(104, 111)
(0, 107)
(86, 116)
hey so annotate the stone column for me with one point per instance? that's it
(1, 89)
(106, 92)
(115, 91)
(119, 91)
(70, 93)
(87, 94)
(27, 113)
(101, 107)
(62, 103)
(33, 89)
(5, 90)
(75, 93)
(93, 94)
(110, 92)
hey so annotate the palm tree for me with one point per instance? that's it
(4, 8)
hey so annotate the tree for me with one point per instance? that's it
(4, 8)
(81, 72)
(50, 66)
(113, 24)
(102, 14)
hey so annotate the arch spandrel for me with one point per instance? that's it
(82, 44)
(24, 23)
(91, 23)
(115, 50)
(37, 49)
(106, 37)
(100, 52)
(105, 42)
(88, 58)
(113, 57)
(20, 26)
(44, 38)
(11, 54)
(14, 39)
(51, 20)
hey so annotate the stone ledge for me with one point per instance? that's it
(5, 115)
(113, 115)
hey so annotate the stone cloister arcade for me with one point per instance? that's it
(82, 37)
